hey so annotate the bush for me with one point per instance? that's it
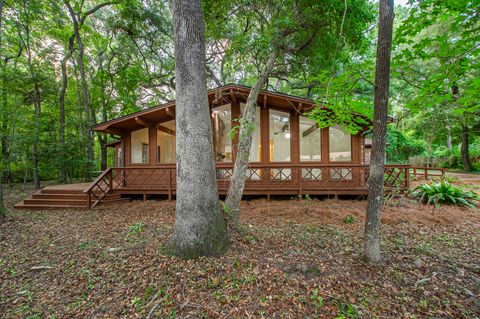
(445, 193)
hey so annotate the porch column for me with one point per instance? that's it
(236, 114)
(152, 144)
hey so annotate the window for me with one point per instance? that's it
(222, 126)
(166, 137)
(279, 136)
(255, 149)
(139, 146)
(310, 140)
(340, 144)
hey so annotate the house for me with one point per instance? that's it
(290, 154)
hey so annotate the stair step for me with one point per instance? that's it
(61, 191)
(58, 196)
(49, 201)
(38, 206)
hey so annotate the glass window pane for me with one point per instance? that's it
(279, 136)
(340, 144)
(166, 137)
(139, 146)
(310, 140)
(255, 149)
(222, 139)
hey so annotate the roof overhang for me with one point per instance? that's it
(216, 97)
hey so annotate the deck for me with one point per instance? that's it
(262, 179)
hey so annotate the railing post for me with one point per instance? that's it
(425, 172)
(110, 176)
(89, 200)
(300, 177)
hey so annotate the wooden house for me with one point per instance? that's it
(290, 154)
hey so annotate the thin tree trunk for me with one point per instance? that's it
(247, 127)
(85, 96)
(449, 134)
(377, 162)
(63, 90)
(200, 228)
(2, 205)
(467, 165)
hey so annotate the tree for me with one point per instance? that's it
(377, 166)
(279, 39)
(199, 226)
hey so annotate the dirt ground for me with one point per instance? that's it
(302, 259)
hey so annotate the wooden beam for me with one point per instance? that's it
(166, 130)
(170, 111)
(300, 107)
(143, 122)
(312, 129)
(233, 97)
(114, 131)
(264, 101)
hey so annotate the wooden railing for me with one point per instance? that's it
(426, 172)
(100, 187)
(261, 179)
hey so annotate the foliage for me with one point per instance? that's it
(401, 147)
(445, 193)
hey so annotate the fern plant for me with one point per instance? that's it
(445, 193)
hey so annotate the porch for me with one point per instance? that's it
(262, 179)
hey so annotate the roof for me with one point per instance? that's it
(216, 97)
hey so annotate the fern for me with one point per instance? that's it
(445, 193)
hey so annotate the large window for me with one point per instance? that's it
(279, 136)
(255, 149)
(222, 139)
(310, 140)
(340, 142)
(139, 146)
(166, 142)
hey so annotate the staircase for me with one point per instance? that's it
(63, 197)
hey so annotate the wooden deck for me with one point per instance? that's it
(262, 179)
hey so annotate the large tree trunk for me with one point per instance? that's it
(237, 182)
(377, 162)
(200, 228)
(467, 165)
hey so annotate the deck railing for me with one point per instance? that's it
(261, 179)
(427, 172)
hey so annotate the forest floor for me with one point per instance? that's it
(303, 259)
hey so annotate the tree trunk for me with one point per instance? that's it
(467, 165)
(377, 162)
(2, 205)
(63, 90)
(36, 102)
(85, 96)
(200, 228)
(247, 127)
(449, 135)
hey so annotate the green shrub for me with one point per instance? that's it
(444, 193)
(349, 219)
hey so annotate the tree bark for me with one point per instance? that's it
(63, 90)
(237, 182)
(377, 162)
(467, 165)
(85, 96)
(200, 228)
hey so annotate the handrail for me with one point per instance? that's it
(96, 183)
(98, 179)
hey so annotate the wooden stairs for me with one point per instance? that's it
(63, 197)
